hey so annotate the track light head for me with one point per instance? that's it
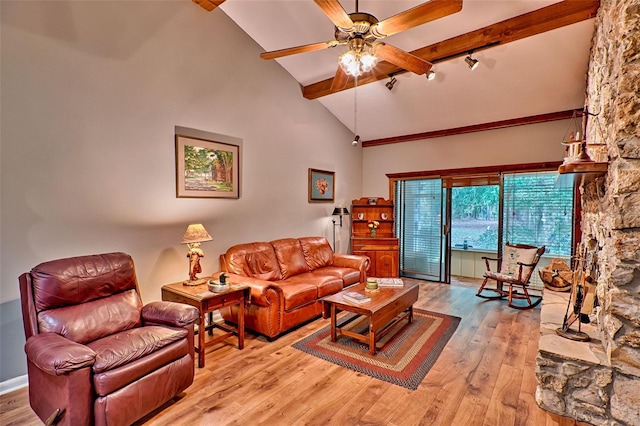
(390, 83)
(471, 62)
(356, 139)
(431, 75)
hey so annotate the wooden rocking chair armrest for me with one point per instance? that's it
(498, 261)
(491, 258)
(527, 264)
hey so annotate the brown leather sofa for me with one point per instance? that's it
(95, 354)
(288, 279)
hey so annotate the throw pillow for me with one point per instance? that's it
(512, 255)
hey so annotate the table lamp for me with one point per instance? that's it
(192, 238)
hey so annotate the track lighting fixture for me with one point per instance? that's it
(473, 63)
(356, 139)
(431, 75)
(390, 83)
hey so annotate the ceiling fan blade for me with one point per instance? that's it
(402, 59)
(299, 49)
(340, 80)
(415, 16)
(336, 13)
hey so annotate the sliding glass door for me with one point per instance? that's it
(420, 226)
(526, 208)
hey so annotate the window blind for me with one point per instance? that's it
(537, 211)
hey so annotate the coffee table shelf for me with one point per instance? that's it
(388, 306)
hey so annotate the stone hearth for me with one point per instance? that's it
(575, 378)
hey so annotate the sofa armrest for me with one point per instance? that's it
(57, 355)
(259, 288)
(354, 261)
(169, 313)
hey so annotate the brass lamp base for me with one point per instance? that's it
(195, 282)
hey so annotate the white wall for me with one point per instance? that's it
(91, 92)
(522, 144)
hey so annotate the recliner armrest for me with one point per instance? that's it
(169, 313)
(57, 355)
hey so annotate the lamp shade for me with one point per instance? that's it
(196, 234)
(339, 211)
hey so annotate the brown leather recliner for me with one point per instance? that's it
(95, 354)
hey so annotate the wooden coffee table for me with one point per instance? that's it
(388, 306)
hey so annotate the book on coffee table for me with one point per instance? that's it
(355, 297)
(390, 282)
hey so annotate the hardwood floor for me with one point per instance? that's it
(484, 376)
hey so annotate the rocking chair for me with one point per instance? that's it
(515, 268)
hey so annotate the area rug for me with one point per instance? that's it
(404, 355)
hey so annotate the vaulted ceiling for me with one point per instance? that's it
(533, 60)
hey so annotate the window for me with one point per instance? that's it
(474, 217)
(538, 211)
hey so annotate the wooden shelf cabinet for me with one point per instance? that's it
(382, 249)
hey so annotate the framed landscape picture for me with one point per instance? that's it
(321, 185)
(206, 169)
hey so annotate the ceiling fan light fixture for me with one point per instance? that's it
(358, 59)
(471, 62)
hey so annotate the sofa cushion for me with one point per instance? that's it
(92, 320)
(256, 260)
(327, 284)
(298, 292)
(347, 275)
(317, 252)
(263, 265)
(290, 257)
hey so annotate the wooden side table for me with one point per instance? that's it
(207, 302)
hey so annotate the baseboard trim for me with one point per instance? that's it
(13, 384)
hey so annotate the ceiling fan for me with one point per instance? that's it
(361, 33)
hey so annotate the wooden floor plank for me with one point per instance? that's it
(485, 375)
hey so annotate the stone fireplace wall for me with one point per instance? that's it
(608, 392)
(611, 208)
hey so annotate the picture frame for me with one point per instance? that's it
(206, 168)
(321, 186)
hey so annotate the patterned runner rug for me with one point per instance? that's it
(404, 356)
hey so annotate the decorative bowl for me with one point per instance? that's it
(216, 287)
(372, 284)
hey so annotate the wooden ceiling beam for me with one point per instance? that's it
(502, 124)
(529, 24)
(209, 5)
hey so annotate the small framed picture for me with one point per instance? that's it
(321, 186)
